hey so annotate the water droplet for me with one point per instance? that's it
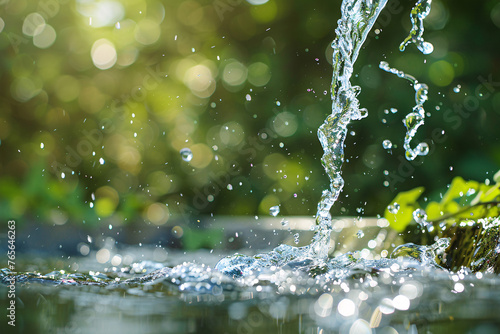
(282, 145)
(284, 222)
(42, 145)
(296, 238)
(426, 48)
(415, 118)
(274, 210)
(387, 144)
(186, 154)
(360, 234)
(394, 208)
(394, 110)
(423, 148)
(457, 89)
(278, 103)
(229, 187)
(248, 97)
(420, 217)
(101, 161)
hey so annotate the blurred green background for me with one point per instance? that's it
(98, 98)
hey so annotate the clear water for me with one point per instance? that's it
(415, 118)
(186, 154)
(353, 27)
(302, 286)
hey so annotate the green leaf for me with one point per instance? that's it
(407, 202)
(458, 189)
(466, 200)
(434, 210)
(496, 177)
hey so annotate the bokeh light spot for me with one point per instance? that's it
(103, 13)
(158, 213)
(147, 32)
(259, 74)
(257, 2)
(127, 56)
(58, 217)
(360, 326)
(441, 73)
(202, 155)
(285, 124)
(235, 73)
(103, 255)
(346, 307)
(32, 24)
(24, 89)
(231, 134)
(106, 201)
(272, 163)
(495, 15)
(44, 36)
(200, 81)
(103, 54)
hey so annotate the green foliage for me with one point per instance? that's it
(186, 74)
(47, 198)
(195, 239)
(463, 200)
(407, 202)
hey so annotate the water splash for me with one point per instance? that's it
(415, 118)
(426, 255)
(353, 27)
(394, 208)
(420, 217)
(417, 15)
(357, 19)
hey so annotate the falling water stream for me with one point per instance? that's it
(350, 292)
(353, 27)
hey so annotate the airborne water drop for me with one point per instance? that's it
(387, 144)
(186, 154)
(274, 210)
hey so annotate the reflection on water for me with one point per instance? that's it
(363, 291)
(400, 295)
